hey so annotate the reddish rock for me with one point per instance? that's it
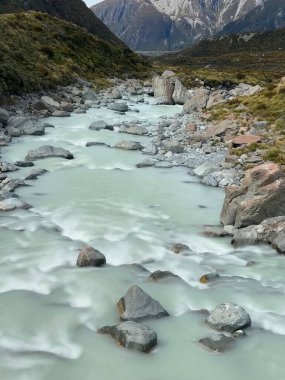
(245, 140)
(190, 128)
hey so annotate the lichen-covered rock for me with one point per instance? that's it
(136, 305)
(132, 335)
(229, 317)
(90, 257)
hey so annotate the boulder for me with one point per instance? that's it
(179, 248)
(48, 103)
(6, 167)
(98, 125)
(218, 342)
(90, 257)
(209, 277)
(119, 107)
(261, 196)
(133, 129)
(245, 140)
(129, 145)
(180, 93)
(89, 95)
(173, 146)
(205, 169)
(35, 173)
(4, 116)
(145, 164)
(33, 130)
(197, 101)
(150, 149)
(221, 129)
(162, 275)
(59, 113)
(245, 90)
(67, 107)
(18, 121)
(24, 164)
(47, 151)
(11, 204)
(168, 74)
(163, 90)
(114, 94)
(136, 305)
(132, 335)
(229, 317)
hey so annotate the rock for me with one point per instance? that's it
(210, 277)
(6, 167)
(216, 98)
(173, 146)
(34, 130)
(163, 165)
(129, 145)
(163, 90)
(261, 196)
(4, 116)
(179, 248)
(137, 305)
(133, 130)
(245, 140)
(190, 128)
(119, 107)
(35, 173)
(132, 335)
(224, 128)
(98, 125)
(18, 121)
(58, 113)
(168, 74)
(229, 317)
(205, 169)
(11, 204)
(197, 101)
(150, 149)
(244, 90)
(218, 342)
(145, 164)
(97, 143)
(10, 185)
(215, 231)
(114, 94)
(24, 164)
(162, 275)
(180, 93)
(89, 95)
(67, 107)
(46, 151)
(48, 103)
(90, 257)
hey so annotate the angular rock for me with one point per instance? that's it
(90, 257)
(98, 125)
(205, 169)
(218, 342)
(48, 103)
(89, 95)
(197, 101)
(150, 149)
(47, 151)
(163, 90)
(129, 145)
(34, 130)
(35, 173)
(229, 317)
(180, 93)
(173, 146)
(132, 335)
(137, 305)
(119, 107)
(245, 140)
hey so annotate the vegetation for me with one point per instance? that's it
(39, 52)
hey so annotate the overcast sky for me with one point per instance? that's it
(91, 2)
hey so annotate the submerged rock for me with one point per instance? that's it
(209, 277)
(218, 342)
(90, 257)
(136, 305)
(47, 151)
(145, 163)
(179, 248)
(119, 107)
(35, 173)
(129, 145)
(132, 335)
(11, 204)
(229, 317)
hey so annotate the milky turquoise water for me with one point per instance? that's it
(50, 309)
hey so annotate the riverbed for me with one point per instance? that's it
(51, 310)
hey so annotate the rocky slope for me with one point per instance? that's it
(169, 24)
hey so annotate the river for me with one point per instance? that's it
(50, 309)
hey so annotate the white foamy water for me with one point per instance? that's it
(50, 310)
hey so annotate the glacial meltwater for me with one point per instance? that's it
(51, 310)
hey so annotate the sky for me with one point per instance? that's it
(91, 2)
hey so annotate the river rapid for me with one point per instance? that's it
(51, 310)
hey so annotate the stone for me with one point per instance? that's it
(114, 94)
(67, 107)
(180, 93)
(35, 173)
(11, 204)
(46, 151)
(98, 125)
(89, 95)
(162, 275)
(6, 167)
(34, 130)
(48, 103)
(129, 145)
(205, 169)
(18, 121)
(214, 231)
(23, 164)
(4, 116)
(229, 317)
(163, 90)
(119, 107)
(223, 128)
(245, 140)
(133, 129)
(168, 74)
(197, 101)
(218, 342)
(97, 143)
(209, 277)
(179, 248)
(190, 128)
(90, 257)
(150, 149)
(260, 196)
(59, 113)
(173, 146)
(132, 335)
(136, 305)
(145, 164)
(245, 90)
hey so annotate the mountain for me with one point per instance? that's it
(169, 24)
(39, 52)
(74, 11)
(267, 16)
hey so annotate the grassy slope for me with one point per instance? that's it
(39, 51)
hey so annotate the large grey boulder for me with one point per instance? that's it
(48, 103)
(133, 129)
(150, 149)
(261, 196)
(33, 130)
(4, 116)
(197, 101)
(132, 335)
(47, 151)
(129, 145)
(136, 305)
(173, 146)
(98, 125)
(11, 204)
(119, 107)
(229, 317)
(180, 94)
(218, 342)
(163, 90)
(89, 95)
(90, 257)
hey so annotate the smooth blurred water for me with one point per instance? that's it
(50, 309)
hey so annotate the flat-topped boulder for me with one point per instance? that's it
(229, 317)
(90, 257)
(137, 305)
(129, 145)
(46, 151)
(132, 335)
(261, 196)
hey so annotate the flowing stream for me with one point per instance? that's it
(50, 309)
